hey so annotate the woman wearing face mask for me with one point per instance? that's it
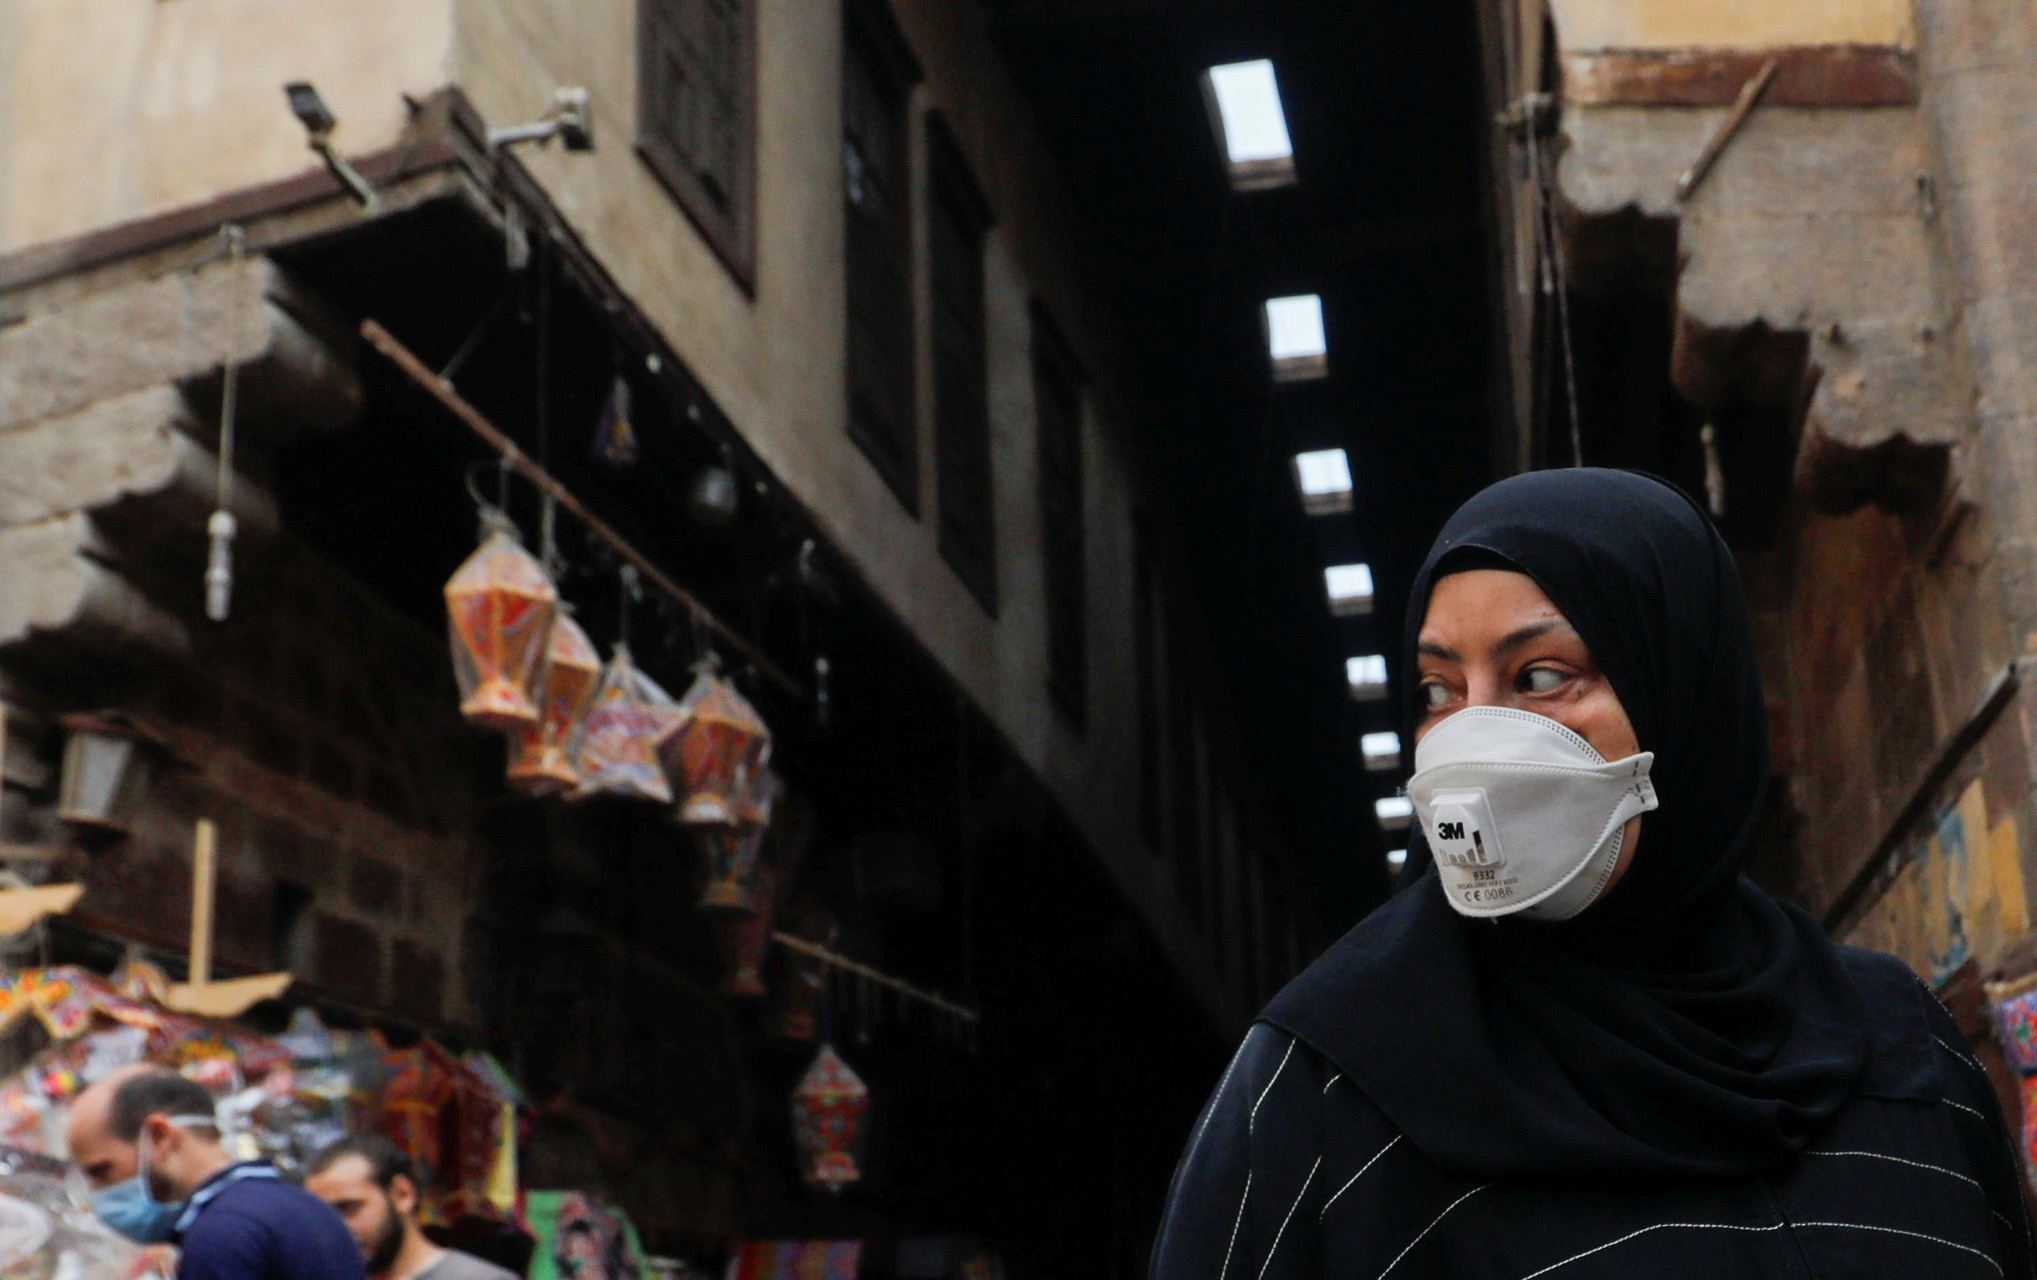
(1580, 1044)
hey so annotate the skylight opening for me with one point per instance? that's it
(1366, 675)
(1381, 751)
(1394, 812)
(1244, 102)
(1324, 478)
(1350, 589)
(1295, 338)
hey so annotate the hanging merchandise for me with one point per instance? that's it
(500, 605)
(615, 434)
(628, 720)
(742, 939)
(730, 853)
(723, 746)
(827, 1120)
(731, 849)
(540, 765)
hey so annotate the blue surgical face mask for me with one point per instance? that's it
(128, 1208)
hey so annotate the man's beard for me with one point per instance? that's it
(382, 1255)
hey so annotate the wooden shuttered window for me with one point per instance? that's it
(1057, 392)
(878, 75)
(957, 218)
(696, 116)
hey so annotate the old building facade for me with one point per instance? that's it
(1780, 253)
(821, 252)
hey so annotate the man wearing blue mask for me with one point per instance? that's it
(233, 1220)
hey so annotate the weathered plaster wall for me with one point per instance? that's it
(1862, 271)
(114, 109)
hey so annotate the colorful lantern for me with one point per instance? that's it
(723, 745)
(731, 856)
(500, 606)
(827, 1120)
(628, 719)
(540, 765)
(742, 939)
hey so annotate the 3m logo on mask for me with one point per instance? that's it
(1458, 836)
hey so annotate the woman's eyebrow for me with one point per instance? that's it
(1430, 649)
(1519, 636)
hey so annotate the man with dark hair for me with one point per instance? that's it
(234, 1220)
(372, 1185)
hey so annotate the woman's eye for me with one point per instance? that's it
(1435, 695)
(1541, 680)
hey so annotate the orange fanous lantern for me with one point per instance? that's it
(731, 849)
(722, 746)
(827, 1119)
(629, 719)
(500, 606)
(541, 765)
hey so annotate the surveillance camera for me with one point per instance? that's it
(576, 122)
(309, 108)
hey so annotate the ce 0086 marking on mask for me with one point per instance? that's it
(1522, 814)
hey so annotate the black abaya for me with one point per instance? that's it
(1688, 1079)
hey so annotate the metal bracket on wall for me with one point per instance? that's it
(1883, 865)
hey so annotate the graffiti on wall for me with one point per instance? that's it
(1959, 894)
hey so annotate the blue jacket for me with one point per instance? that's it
(246, 1223)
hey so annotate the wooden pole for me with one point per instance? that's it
(204, 880)
(403, 358)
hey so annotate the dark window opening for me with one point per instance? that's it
(957, 218)
(290, 928)
(878, 73)
(1057, 391)
(696, 112)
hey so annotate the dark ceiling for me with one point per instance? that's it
(1385, 107)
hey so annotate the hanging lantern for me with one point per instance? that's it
(827, 1120)
(628, 719)
(743, 939)
(723, 745)
(731, 856)
(500, 606)
(541, 766)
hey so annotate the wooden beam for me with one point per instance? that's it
(1846, 75)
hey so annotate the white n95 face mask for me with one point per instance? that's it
(1523, 816)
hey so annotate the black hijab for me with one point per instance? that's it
(1686, 1023)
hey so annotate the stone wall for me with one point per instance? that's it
(317, 728)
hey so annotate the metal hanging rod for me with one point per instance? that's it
(403, 358)
(864, 971)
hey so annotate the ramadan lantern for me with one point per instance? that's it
(742, 939)
(730, 853)
(500, 607)
(540, 765)
(723, 745)
(827, 1120)
(628, 719)
(730, 849)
